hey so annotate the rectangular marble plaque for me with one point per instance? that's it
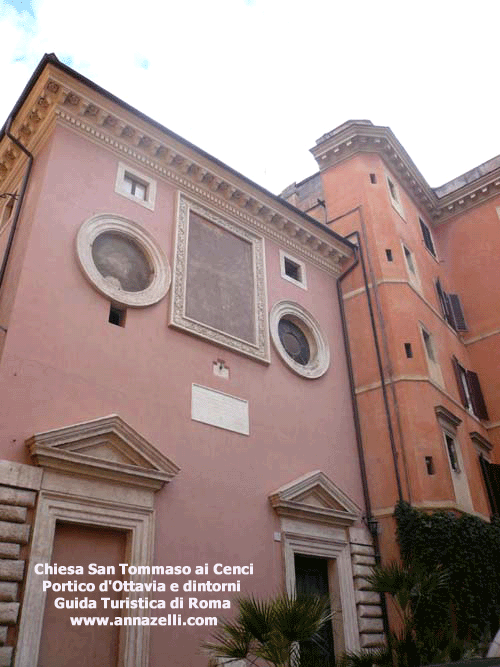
(217, 409)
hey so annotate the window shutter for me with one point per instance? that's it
(478, 404)
(440, 292)
(427, 237)
(491, 474)
(457, 312)
(458, 375)
(445, 304)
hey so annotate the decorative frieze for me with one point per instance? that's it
(180, 164)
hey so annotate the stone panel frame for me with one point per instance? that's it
(178, 317)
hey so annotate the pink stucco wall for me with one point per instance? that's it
(64, 363)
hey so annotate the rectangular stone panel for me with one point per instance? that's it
(218, 409)
(220, 279)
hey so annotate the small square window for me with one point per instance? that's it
(135, 186)
(388, 254)
(117, 316)
(429, 464)
(408, 351)
(392, 190)
(409, 260)
(293, 270)
(373, 179)
(452, 452)
(432, 357)
(395, 196)
(8, 208)
(411, 267)
(428, 345)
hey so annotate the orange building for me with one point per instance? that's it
(422, 332)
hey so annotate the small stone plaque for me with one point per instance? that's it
(217, 409)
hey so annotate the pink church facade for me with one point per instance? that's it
(174, 387)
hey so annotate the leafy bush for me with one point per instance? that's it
(468, 549)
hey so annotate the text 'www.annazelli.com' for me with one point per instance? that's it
(170, 619)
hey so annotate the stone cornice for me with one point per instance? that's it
(105, 448)
(440, 204)
(58, 96)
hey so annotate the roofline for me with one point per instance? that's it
(52, 59)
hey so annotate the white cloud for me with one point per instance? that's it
(256, 82)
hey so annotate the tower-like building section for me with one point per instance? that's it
(422, 318)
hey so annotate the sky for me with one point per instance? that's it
(256, 82)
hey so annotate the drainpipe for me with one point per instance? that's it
(370, 520)
(22, 193)
(376, 342)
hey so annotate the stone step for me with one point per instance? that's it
(13, 513)
(367, 597)
(370, 611)
(363, 559)
(8, 613)
(371, 625)
(362, 549)
(361, 584)
(9, 550)
(11, 570)
(361, 570)
(6, 656)
(371, 640)
(9, 496)
(8, 591)
(14, 532)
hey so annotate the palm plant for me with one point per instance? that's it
(416, 595)
(270, 631)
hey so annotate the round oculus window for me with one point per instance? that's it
(294, 341)
(123, 261)
(299, 340)
(119, 259)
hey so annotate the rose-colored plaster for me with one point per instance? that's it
(64, 363)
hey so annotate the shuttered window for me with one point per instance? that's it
(457, 312)
(426, 233)
(491, 475)
(478, 404)
(469, 390)
(451, 308)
